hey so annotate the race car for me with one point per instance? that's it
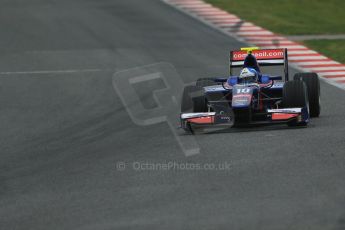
(252, 97)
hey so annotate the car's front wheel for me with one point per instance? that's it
(295, 96)
(203, 82)
(313, 86)
(193, 100)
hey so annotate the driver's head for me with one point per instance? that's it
(248, 75)
(251, 62)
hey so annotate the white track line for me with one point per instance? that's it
(303, 52)
(307, 58)
(52, 71)
(333, 73)
(327, 68)
(318, 63)
(254, 33)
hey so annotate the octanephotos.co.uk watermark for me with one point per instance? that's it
(171, 166)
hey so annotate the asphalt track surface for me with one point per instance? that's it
(63, 129)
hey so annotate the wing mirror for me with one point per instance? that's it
(232, 81)
(265, 79)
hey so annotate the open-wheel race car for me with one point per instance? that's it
(252, 97)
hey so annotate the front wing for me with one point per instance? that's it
(285, 115)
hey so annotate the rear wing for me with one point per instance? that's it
(264, 57)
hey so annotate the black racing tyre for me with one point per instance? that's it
(295, 95)
(203, 82)
(193, 100)
(313, 86)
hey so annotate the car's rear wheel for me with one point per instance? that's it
(295, 96)
(193, 100)
(313, 86)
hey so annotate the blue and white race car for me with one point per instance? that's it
(252, 97)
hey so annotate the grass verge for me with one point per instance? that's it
(295, 17)
(334, 49)
(290, 17)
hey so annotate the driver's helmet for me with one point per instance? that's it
(248, 75)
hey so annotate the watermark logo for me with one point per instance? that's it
(172, 166)
(167, 100)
